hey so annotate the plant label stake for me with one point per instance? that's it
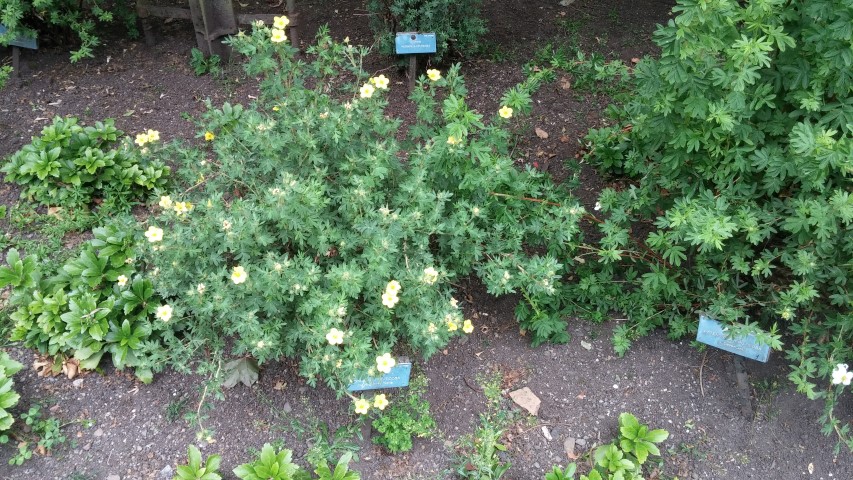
(397, 377)
(17, 44)
(714, 333)
(411, 44)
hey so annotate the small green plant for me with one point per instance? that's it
(175, 409)
(28, 18)
(271, 465)
(562, 474)
(326, 446)
(196, 469)
(457, 23)
(404, 419)
(8, 396)
(42, 436)
(480, 459)
(202, 65)
(341, 471)
(5, 73)
(71, 166)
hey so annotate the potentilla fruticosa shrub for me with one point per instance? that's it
(457, 24)
(312, 231)
(738, 143)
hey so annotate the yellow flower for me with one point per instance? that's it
(451, 326)
(277, 36)
(164, 312)
(505, 112)
(141, 139)
(393, 287)
(335, 337)
(239, 275)
(181, 207)
(200, 288)
(261, 344)
(324, 115)
(367, 90)
(381, 82)
(467, 326)
(121, 280)
(280, 22)
(276, 108)
(209, 136)
(362, 406)
(226, 225)
(389, 299)
(153, 135)
(384, 363)
(380, 401)
(453, 302)
(165, 202)
(154, 234)
(451, 140)
(434, 74)
(431, 328)
(430, 275)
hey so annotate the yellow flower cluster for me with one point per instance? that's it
(147, 137)
(182, 208)
(381, 82)
(390, 298)
(278, 25)
(362, 405)
(451, 140)
(452, 322)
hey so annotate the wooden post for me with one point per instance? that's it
(413, 71)
(293, 28)
(16, 61)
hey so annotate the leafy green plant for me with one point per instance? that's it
(42, 435)
(562, 474)
(5, 73)
(341, 471)
(480, 459)
(334, 251)
(202, 65)
(406, 419)
(98, 303)
(72, 166)
(8, 396)
(196, 469)
(736, 144)
(326, 446)
(28, 18)
(457, 23)
(271, 465)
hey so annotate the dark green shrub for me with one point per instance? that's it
(457, 23)
(739, 145)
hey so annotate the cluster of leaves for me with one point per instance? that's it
(31, 18)
(738, 145)
(398, 423)
(8, 396)
(304, 211)
(620, 460)
(5, 73)
(202, 65)
(589, 72)
(40, 436)
(83, 310)
(272, 465)
(457, 24)
(481, 459)
(72, 166)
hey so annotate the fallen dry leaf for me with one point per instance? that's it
(635, 60)
(71, 368)
(541, 133)
(565, 84)
(279, 385)
(564, 139)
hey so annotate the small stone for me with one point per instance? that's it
(581, 442)
(526, 399)
(77, 383)
(87, 446)
(546, 433)
(586, 345)
(166, 473)
(113, 477)
(569, 447)
(99, 432)
(287, 408)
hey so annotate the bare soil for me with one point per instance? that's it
(118, 427)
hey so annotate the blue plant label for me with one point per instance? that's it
(408, 43)
(397, 377)
(714, 333)
(22, 42)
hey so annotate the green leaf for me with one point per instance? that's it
(243, 370)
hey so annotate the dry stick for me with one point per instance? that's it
(701, 368)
